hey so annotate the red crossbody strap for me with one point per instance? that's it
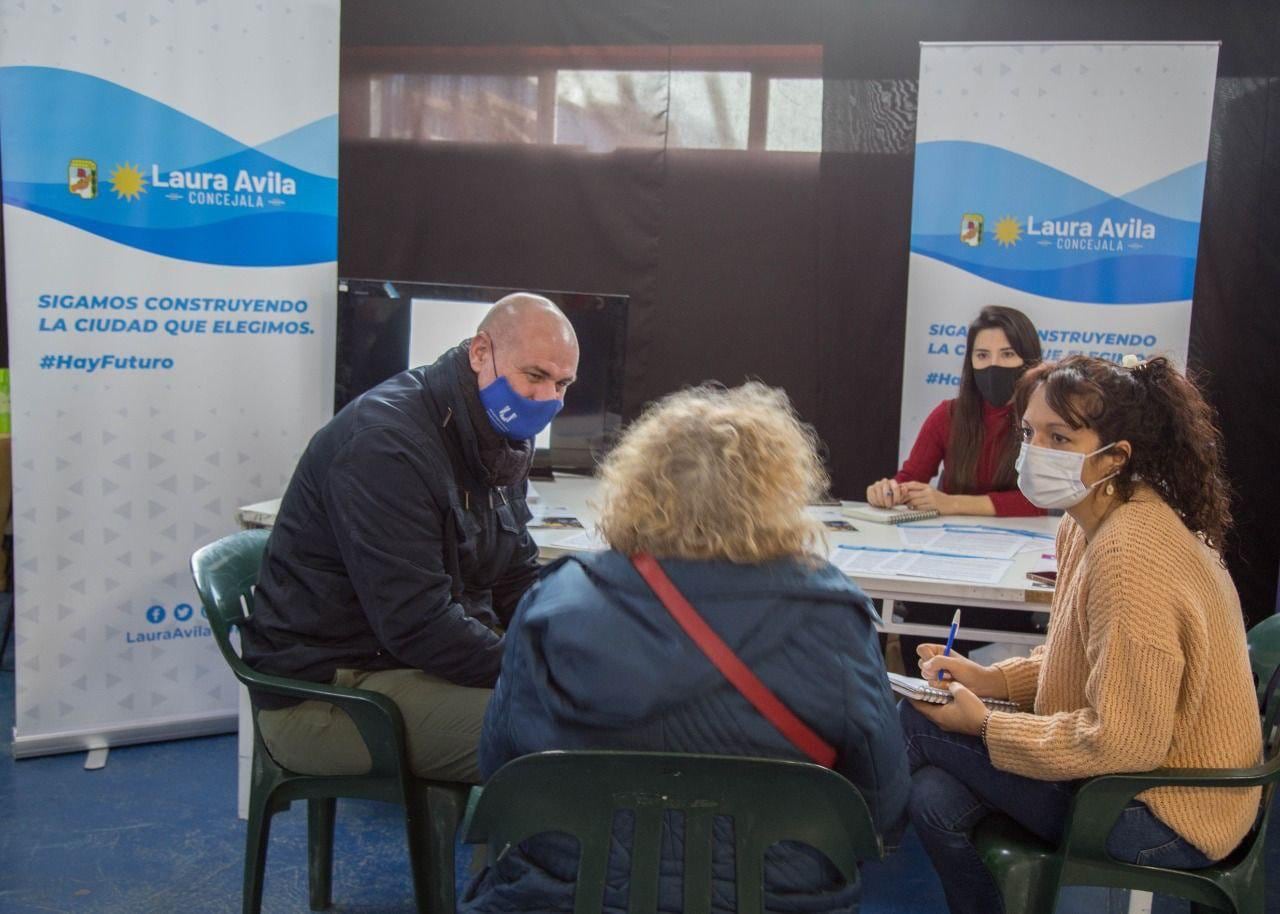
(727, 662)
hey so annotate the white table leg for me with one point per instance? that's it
(1140, 902)
(244, 768)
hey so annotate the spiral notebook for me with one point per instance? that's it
(899, 515)
(911, 687)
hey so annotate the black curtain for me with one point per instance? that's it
(791, 267)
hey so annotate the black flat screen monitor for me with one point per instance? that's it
(386, 326)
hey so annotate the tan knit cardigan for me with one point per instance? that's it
(1145, 666)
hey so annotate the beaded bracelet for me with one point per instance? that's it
(982, 731)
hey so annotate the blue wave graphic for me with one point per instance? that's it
(53, 116)
(312, 148)
(1111, 281)
(260, 240)
(1095, 247)
(990, 180)
(160, 212)
(1000, 181)
(1173, 238)
(1178, 196)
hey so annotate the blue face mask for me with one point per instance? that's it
(514, 416)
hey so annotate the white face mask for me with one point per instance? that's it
(1052, 479)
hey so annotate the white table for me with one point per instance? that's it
(1013, 592)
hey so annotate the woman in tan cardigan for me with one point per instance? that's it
(1145, 664)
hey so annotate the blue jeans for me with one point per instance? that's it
(954, 786)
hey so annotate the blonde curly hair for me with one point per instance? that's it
(714, 473)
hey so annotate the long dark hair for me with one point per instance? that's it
(1177, 445)
(959, 475)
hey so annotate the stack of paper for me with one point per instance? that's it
(855, 560)
(977, 544)
(586, 541)
(553, 516)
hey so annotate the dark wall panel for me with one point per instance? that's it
(738, 268)
(865, 234)
(506, 216)
(440, 22)
(794, 268)
(1235, 327)
(879, 39)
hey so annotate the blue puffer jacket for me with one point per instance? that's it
(593, 661)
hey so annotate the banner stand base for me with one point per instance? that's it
(152, 731)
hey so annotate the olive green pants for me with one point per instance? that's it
(442, 724)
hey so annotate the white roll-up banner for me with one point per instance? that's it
(170, 230)
(1064, 180)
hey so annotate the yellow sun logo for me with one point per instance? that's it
(1008, 232)
(127, 182)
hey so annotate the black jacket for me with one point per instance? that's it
(390, 549)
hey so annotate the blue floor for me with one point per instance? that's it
(156, 830)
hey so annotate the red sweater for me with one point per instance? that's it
(930, 450)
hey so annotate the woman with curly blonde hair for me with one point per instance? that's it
(713, 484)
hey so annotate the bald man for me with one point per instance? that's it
(400, 549)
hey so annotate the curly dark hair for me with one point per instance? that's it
(1177, 445)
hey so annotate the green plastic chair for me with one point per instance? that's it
(769, 800)
(225, 573)
(1029, 872)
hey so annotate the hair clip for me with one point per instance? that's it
(1131, 362)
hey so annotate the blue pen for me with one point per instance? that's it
(951, 639)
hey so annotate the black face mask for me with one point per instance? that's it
(996, 383)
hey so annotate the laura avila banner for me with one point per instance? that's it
(1064, 180)
(170, 196)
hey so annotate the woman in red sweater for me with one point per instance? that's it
(973, 436)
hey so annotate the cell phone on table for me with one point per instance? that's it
(1048, 578)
